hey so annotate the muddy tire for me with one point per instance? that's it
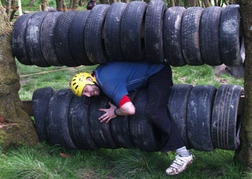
(61, 33)
(78, 123)
(47, 41)
(190, 36)
(40, 103)
(100, 131)
(33, 39)
(226, 123)
(154, 31)
(131, 42)
(209, 35)
(19, 39)
(77, 38)
(57, 126)
(172, 36)
(199, 115)
(230, 35)
(94, 43)
(112, 31)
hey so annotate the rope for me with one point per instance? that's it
(47, 72)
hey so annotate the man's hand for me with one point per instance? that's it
(125, 110)
(109, 113)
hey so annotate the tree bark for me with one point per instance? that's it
(61, 5)
(8, 7)
(191, 3)
(244, 153)
(31, 2)
(75, 4)
(82, 3)
(171, 3)
(44, 4)
(16, 127)
(177, 3)
(13, 2)
(206, 3)
(70, 4)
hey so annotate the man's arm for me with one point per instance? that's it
(125, 110)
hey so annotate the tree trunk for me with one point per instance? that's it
(104, 1)
(8, 7)
(171, 3)
(177, 3)
(244, 153)
(82, 3)
(206, 3)
(13, 2)
(31, 2)
(191, 3)
(60, 5)
(16, 127)
(44, 4)
(70, 4)
(75, 4)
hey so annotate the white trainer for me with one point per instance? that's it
(179, 165)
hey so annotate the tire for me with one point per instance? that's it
(172, 36)
(19, 39)
(131, 42)
(177, 105)
(77, 38)
(40, 103)
(190, 36)
(209, 36)
(61, 32)
(199, 115)
(57, 126)
(112, 31)
(144, 134)
(119, 128)
(33, 39)
(94, 43)
(230, 35)
(47, 42)
(100, 131)
(226, 123)
(154, 31)
(78, 123)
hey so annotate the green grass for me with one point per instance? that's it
(45, 162)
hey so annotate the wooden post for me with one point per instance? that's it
(244, 153)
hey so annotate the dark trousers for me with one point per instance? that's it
(157, 110)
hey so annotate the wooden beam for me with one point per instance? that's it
(28, 107)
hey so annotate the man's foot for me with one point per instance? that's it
(179, 165)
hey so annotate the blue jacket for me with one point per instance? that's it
(117, 78)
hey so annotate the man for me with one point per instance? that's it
(91, 4)
(115, 79)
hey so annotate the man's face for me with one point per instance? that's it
(90, 90)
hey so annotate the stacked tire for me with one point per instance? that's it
(130, 32)
(207, 118)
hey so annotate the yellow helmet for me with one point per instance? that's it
(79, 81)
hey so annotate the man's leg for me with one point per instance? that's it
(158, 94)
